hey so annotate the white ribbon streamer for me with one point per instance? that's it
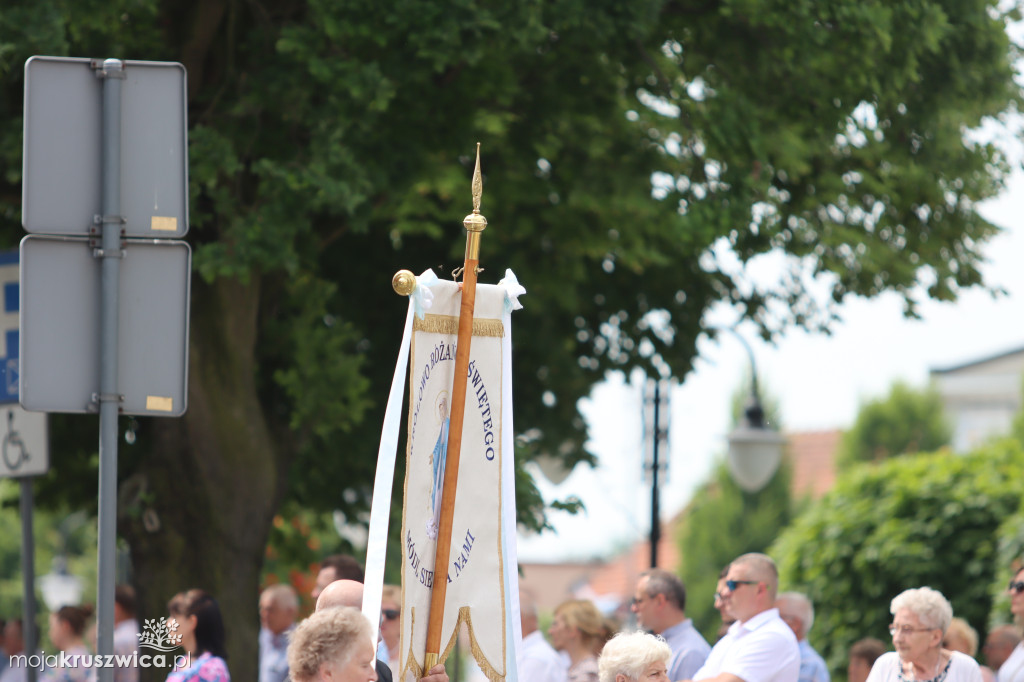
(380, 509)
(513, 290)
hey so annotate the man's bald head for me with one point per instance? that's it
(340, 593)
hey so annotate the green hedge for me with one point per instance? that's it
(930, 519)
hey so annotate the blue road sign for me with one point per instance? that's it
(9, 327)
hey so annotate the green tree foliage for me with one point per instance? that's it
(626, 145)
(722, 522)
(905, 421)
(929, 519)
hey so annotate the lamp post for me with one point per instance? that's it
(657, 399)
(754, 450)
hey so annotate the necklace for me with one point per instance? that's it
(937, 677)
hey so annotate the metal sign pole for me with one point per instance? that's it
(28, 575)
(109, 399)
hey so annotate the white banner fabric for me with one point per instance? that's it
(482, 554)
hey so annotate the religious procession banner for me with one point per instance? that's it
(482, 586)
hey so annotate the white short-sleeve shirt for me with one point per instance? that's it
(761, 649)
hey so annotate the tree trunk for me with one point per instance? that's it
(213, 479)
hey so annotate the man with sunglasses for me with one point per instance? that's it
(660, 606)
(759, 646)
(1013, 669)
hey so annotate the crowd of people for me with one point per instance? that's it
(763, 637)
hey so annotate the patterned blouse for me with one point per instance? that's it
(206, 668)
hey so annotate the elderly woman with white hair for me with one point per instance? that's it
(333, 645)
(634, 657)
(920, 619)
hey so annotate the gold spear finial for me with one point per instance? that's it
(478, 182)
(475, 222)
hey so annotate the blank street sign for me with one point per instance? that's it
(62, 162)
(60, 326)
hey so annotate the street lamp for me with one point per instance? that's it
(754, 450)
(59, 587)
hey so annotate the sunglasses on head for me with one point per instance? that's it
(1016, 587)
(391, 614)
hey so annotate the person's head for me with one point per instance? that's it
(199, 621)
(577, 624)
(391, 616)
(920, 618)
(527, 611)
(336, 567)
(720, 605)
(750, 586)
(660, 600)
(798, 612)
(960, 636)
(634, 657)
(279, 607)
(332, 645)
(341, 593)
(999, 644)
(67, 625)
(14, 640)
(862, 656)
(124, 603)
(1016, 591)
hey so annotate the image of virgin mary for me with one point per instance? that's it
(437, 460)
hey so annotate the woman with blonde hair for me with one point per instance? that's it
(921, 617)
(576, 630)
(634, 657)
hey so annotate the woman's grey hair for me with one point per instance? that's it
(630, 654)
(328, 636)
(927, 604)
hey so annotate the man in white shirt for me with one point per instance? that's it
(660, 606)
(759, 646)
(538, 661)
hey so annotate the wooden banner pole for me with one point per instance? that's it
(475, 224)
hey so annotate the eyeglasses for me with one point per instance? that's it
(391, 614)
(905, 629)
(733, 584)
(1016, 587)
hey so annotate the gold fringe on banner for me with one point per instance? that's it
(449, 324)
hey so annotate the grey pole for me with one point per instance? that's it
(110, 257)
(28, 575)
